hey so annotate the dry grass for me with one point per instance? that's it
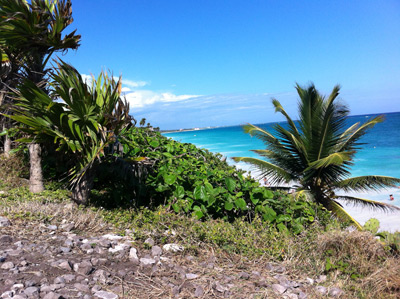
(54, 213)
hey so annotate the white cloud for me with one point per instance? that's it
(132, 84)
(126, 89)
(141, 98)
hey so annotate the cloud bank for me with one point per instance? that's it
(139, 98)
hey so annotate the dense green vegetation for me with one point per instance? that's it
(197, 182)
(317, 152)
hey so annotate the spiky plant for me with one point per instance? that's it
(83, 120)
(317, 152)
(35, 30)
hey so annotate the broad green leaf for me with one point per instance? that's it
(211, 201)
(228, 206)
(169, 178)
(282, 228)
(241, 204)
(230, 184)
(198, 214)
(209, 188)
(176, 208)
(268, 194)
(154, 143)
(283, 218)
(200, 193)
(180, 192)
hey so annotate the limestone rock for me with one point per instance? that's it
(4, 222)
(279, 289)
(105, 295)
(173, 247)
(149, 241)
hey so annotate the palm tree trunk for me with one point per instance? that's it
(36, 176)
(81, 190)
(7, 146)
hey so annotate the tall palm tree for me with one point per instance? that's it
(317, 152)
(84, 122)
(35, 29)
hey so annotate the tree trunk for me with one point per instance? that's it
(7, 146)
(7, 143)
(36, 177)
(81, 190)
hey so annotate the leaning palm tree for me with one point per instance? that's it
(35, 29)
(84, 121)
(317, 152)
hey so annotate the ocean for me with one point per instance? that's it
(379, 155)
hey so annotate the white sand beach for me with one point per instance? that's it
(389, 221)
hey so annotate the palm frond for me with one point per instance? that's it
(350, 137)
(357, 201)
(366, 183)
(332, 159)
(279, 108)
(275, 173)
(341, 213)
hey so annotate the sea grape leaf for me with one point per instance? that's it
(209, 188)
(180, 192)
(154, 143)
(228, 206)
(283, 218)
(200, 193)
(198, 214)
(170, 148)
(268, 194)
(230, 184)
(211, 200)
(282, 228)
(269, 214)
(176, 208)
(241, 204)
(169, 178)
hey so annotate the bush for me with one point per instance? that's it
(197, 182)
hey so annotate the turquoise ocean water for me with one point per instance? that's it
(380, 155)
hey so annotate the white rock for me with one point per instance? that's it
(7, 265)
(118, 248)
(191, 276)
(335, 292)
(8, 294)
(146, 261)
(112, 237)
(106, 295)
(4, 221)
(133, 254)
(279, 289)
(17, 286)
(321, 290)
(173, 247)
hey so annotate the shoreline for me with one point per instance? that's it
(388, 220)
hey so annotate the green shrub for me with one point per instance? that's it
(197, 182)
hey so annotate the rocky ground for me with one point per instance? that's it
(39, 260)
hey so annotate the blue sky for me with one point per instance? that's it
(214, 63)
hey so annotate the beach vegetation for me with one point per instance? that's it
(199, 183)
(316, 152)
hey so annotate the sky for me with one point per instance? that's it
(204, 63)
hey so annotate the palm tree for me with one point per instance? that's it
(84, 122)
(35, 29)
(317, 152)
